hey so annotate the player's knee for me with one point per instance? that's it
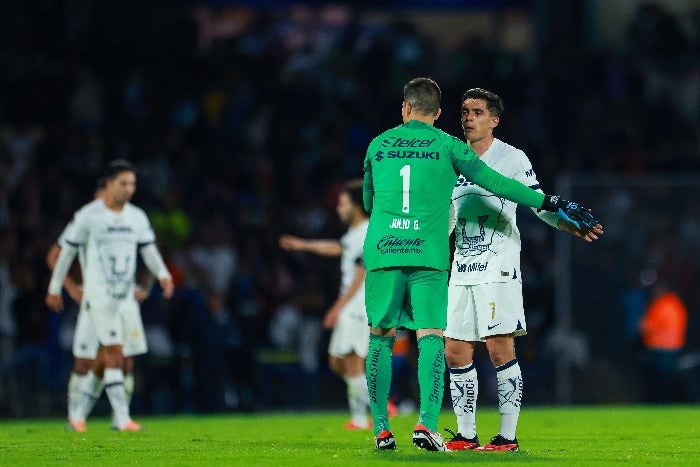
(113, 357)
(457, 356)
(81, 366)
(336, 365)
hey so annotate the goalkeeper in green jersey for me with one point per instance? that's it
(409, 173)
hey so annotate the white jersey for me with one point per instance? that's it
(81, 250)
(350, 333)
(111, 241)
(487, 239)
(352, 243)
(85, 341)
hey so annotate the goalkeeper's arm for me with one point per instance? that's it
(569, 211)
(368, 189)
(483, 175)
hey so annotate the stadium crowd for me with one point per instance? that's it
(238, 139)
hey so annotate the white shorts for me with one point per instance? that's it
(350, 335)
(134, 334)
(85, 343)
(112, 322)
(475, 312)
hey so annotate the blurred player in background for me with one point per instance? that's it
(85, 343)
(409, 173)
(110, 231)
(347, 349)
(485, 299)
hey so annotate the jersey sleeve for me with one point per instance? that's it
(61, 240)
(76, 232)
(147, 235)
(468, 164)
(527, 176)
(367, 182)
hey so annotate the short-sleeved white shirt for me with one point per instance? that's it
(487, 239)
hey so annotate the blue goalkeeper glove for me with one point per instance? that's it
(570, 212)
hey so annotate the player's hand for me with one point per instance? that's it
(331, 317)
(579, 216)
(54, 302)
(168, 287)
(140, 294)
(75, 292)
(587, 235)
(571, 212)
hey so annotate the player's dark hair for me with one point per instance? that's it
(493, 100)
(100, 183)
(354, 190)
(116, 167)
(423, 94)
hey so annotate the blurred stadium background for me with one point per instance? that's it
(245, 117)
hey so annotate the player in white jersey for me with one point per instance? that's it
(349, 342)
(485, 300)
(112, 231)
(85, 343)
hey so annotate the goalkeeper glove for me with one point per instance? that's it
(570, 212)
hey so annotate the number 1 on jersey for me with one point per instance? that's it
(405, 173)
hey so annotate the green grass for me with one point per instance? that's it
(635, 435)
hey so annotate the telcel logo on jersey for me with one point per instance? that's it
(392, 244)
(397, 142)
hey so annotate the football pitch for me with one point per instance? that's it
(596, 435)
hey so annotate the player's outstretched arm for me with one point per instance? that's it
(468, 164)
(571, 212)
(557, 222)
(317, 246)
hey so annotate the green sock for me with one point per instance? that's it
(431, 373)
(379, 379)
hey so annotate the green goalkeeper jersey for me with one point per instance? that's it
(409, 174)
